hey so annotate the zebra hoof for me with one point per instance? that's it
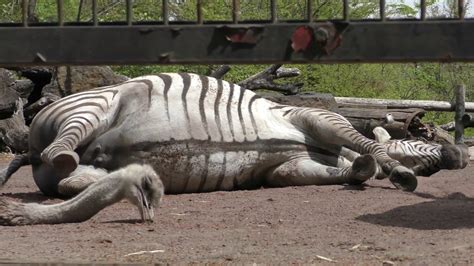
(363, 168)
(65, 163)
(403, 179)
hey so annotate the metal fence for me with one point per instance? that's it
(275, 40)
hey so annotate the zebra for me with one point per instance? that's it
(202, 134)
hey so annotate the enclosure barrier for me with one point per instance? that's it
(273, 40)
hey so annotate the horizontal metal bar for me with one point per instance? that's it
(391, 41)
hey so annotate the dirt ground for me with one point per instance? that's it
(374, 224)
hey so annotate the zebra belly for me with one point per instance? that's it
(203, 166)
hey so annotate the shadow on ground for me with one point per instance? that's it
(452, 212)
(27, 197)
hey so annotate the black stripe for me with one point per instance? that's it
(287, 112)
(216, 108)
(82, 118)
(204, 173)
(77, 125)
(75, 104)
(149, 85)
(90, 92)
(202, 98)
(186, 84)
(77, 112)
(278, 106)
(229, 110)
(252, 118)
(167, 81)
(188, 171)
(222, 175)
(197, 147)
(69, 136)
(239, 110)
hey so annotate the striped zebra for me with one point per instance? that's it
(203, 134)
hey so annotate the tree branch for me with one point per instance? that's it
(265, 80)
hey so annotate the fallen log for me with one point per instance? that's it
(398, 104)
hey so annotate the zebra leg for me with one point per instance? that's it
(17, 162)
(46, 179)
(79, 180)
(305, 171)
(62, 157)
(332, 129)
(51, 184)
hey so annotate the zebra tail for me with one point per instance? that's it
(17, 162)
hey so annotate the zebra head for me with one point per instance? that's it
(454, 156)
(426, 159)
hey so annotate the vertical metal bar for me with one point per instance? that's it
(423, 9)
(24, 12)
(273, 11)
(382, 10)
(60, 12)
(459, 113)
(79, 11)
(199, 11)
(461, 10)
(165, 12)
(309, 10)
(345, 10)
(235, 11)
(129, 12)
(94, 13)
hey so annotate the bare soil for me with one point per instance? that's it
(373, 224)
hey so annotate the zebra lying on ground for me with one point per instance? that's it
(203, 134)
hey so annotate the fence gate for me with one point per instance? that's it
(274, 40)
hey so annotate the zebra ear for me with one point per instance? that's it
(381, 135)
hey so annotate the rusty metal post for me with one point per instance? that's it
(382, 10)
(79, 11)
(345, 10)
(200, 19)
(24, 12)
(459, 113)
(129, 4)
(309, 10)
(94, 13)
(165, 12)
(235, 11)
(60, 4)
(273, 11)
(461, 10)
(423, 9)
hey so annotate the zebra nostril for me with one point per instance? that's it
(99, 160)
